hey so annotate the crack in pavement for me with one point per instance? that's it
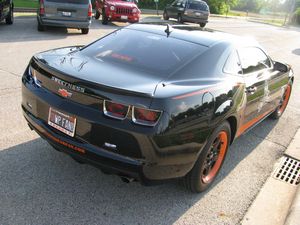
(9, 91)
(267, 139)
(12, 73)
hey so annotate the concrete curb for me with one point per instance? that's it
(293, 217)
(276, 204)
(17, 9)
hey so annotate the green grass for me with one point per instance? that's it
(26, 3)
(234, 13)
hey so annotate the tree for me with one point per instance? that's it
(221, 6)
(250, 5)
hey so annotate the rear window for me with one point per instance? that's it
(198, 5)
(70, 1)
(149, 52)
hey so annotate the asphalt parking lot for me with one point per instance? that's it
(41, 186)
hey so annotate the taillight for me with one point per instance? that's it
(90, 12)
(42, 7)
(145, 117)
(32, 74)
(115, 110)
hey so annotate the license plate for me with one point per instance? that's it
(62, 122)
(124, 17)
(198, 14)
(66, 13)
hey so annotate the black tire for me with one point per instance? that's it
(40, 27)
(104, 18)
(165, 15)
(85, 30)
(202, 25)
(201, 177)
(97, 15)
(179, 18)
(10, 17)
(283, 103)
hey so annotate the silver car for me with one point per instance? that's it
(65, 13)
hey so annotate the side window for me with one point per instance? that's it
(253, 59)
(233, 65)
(174, 3)
(180, 3)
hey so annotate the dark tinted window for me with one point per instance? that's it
(253, 59)
(197, 5)
(233, 65)
(70, 1)
(179, 3)
(143, 50)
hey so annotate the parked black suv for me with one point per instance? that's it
(195, 11)
(7, 11)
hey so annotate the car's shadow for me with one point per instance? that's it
(296, 51)
(42, 186)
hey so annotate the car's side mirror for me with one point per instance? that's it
(280, 67)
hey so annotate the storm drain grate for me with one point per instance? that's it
(288, 171)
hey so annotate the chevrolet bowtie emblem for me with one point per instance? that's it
(64, 93)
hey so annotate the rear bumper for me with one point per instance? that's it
(151, 163)
(117, 17)
(195, 19)
(65, 23)
(88, 153)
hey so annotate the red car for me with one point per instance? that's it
(117, 10)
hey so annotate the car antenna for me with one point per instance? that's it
(168, 30)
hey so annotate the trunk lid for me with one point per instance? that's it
(106, 74)
(64, 68)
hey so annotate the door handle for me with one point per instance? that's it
(251, 89)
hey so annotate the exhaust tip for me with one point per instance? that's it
(127, 179)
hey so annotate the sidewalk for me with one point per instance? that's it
(278, 202)
(293, 216)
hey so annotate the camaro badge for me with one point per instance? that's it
(64, 93)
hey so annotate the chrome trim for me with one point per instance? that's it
(106, 113)
(145, 124)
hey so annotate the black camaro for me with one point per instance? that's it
(154, 102)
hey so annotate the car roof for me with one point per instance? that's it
(195, 34)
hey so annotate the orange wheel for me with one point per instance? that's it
(285, 99)
(210, 160)
(283, 103)
(215, 157)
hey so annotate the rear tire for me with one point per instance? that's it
(85, 30)
(210, 160)
(104, 18)
(283, 103)
(202, 25)
(165, 15)
(10, 17)
(97, 15)
(40, 27)
(179, 18)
